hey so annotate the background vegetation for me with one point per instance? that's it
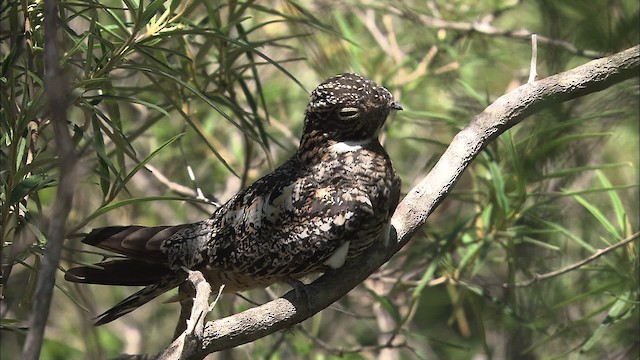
(220, 88)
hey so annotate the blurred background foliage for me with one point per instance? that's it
(163, 88)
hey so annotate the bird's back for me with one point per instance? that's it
(290, 222)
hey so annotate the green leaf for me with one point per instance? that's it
(104, 163)
(621, 309)
(105, 209)
(388, 306)
(42, 239)
(482, 99)
(191, 123)
(424, 280)
(151, 10)
(469, 253)
(564, 172)
(133, 101)
(29, 185)
(242, 45)
(602, 219)
(621, 214)
(498, 186)
(563, 141)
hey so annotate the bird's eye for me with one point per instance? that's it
(348, 113)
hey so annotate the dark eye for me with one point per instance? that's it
(348, 113)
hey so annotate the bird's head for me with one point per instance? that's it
(348, 107)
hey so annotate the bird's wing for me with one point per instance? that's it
(285, 223)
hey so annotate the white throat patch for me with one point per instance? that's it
(349, 146)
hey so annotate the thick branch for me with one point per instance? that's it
(505, 112)
(56, 90)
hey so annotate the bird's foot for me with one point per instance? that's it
(300, 290)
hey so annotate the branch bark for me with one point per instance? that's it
(413, 211)
(56, 91)
(191, 338)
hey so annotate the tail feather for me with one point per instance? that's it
(136, 242)
(145, 264)
(118, 272)
(141, 297)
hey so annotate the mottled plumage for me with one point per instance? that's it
(329, 202)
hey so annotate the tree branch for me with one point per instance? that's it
(192, 336)
(412, 213)
(56, 91)
(486, 28)
(599, 253)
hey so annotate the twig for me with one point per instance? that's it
(369, 21)
(198, 191)
(533, 72)
(571, 267)
(56, 91)
(390, 45)
(353, 350)
(276, 345)
(179, 188)
(489, 29)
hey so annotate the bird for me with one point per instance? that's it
(330, 201)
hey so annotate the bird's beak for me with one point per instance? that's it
(396, 105)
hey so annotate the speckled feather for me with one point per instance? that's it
(325, 205)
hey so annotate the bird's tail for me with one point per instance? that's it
(141, 297)
(144, 263)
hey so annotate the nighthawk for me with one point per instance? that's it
(329, 202)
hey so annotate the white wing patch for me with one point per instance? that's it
(384, 236)
(338, 258)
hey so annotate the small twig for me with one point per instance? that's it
(213, 304)
(533, 72)
(353, 350)
(276, 345)
(397, 54)
(179, 188)
(571, 267)
(20, 243)
(390, 45)
(192, 177)
(175, 187)
(186, 294)
(195, 324)
(486, 28)
(369, 22)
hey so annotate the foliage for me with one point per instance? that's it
(217, 89)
